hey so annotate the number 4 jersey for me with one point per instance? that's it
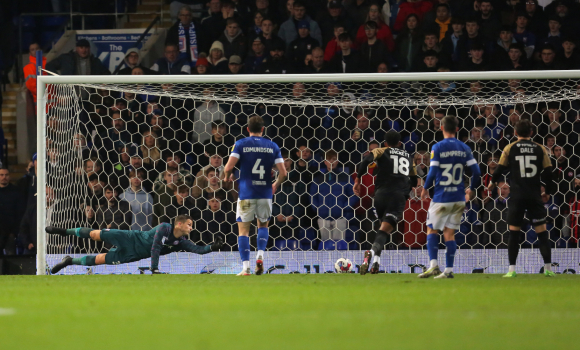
(394, 166)
(449, 157)
(257, 156)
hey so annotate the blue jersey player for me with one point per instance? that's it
(257, 157)
(448, 160)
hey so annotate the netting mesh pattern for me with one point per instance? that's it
(132, 156)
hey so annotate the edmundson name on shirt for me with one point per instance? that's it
(258, 150)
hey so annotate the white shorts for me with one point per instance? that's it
(248, 209)
(441, 215)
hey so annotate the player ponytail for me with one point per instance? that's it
(449, 124)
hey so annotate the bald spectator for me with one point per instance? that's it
(317, 65)
(80, 61)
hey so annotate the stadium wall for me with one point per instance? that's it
(282, 262)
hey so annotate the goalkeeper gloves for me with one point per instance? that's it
(217, 244)
(157, 272)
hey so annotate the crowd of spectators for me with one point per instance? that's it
(148, 158)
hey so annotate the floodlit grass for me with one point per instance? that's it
(289, 312)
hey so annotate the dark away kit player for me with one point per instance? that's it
(135, 245)
(395, 176)
(529, 164)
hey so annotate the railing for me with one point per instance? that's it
(155, 20)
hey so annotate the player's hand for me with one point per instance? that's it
(470, 193)
(280, 218)
(356, 189)
(30, 246)
(424, 194)
(289, 218)
(157, 272)
(217, 245)
(274, 188)
(491, 186)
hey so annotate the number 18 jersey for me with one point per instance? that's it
(257, 156)
(449, 157)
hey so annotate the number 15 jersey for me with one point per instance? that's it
(449, 157)
(257, 156)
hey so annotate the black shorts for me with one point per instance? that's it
(389, 206)
(531, 207)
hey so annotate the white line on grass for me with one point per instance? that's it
(7, 312)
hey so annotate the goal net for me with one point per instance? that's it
(131, 152)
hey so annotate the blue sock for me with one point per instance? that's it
(433, 245)
(450, 253)
(244, 247)
(262, 238)
(81, 232)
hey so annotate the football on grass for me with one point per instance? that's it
(343, 265)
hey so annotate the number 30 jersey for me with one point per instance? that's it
(394, 166)
(257, 156)
(449, 157)
(525, 159)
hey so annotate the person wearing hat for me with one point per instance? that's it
(289, 30)
(277, 62)
(523, 35)
(133, 60)
(568, 13)
(333, 14)
(301, 46)
(569, 59)
(80, 61)
(235, 65)
(476, 63)
(218, 64)
(257, 56)
(232, 39)
(202, 66)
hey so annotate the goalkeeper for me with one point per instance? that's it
(135, 245)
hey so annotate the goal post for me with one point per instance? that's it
(78, 105)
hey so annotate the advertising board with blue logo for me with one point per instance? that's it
(110, 46)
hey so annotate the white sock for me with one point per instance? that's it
(245, 265)
(372, 253)
(376, 259)
(433, 263)
(512, 268)
(448, 270)
(548, 267)
(260, 254)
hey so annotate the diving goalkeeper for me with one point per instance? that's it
(135, 245)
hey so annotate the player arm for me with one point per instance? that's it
(363, 166)
(230, 166)
(547, 174)
(191, 247)
(160, 232)
(433, 168)
(282, 173)
(502, 166)
(413, 175)
(475, 174)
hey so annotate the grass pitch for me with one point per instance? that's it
(288, 312)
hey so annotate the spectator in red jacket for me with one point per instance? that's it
(332, 47)
(411, 6)
(415, 218)
(383, 31)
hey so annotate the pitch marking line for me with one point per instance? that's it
(7, 312)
